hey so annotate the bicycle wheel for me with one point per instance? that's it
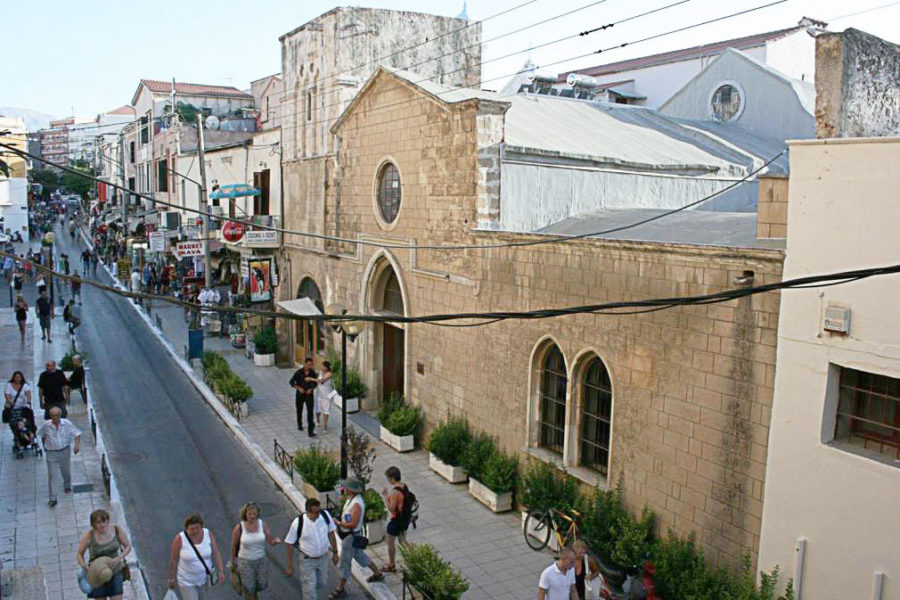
(537, 530)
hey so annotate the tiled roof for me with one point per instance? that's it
(193, 89)
(741, 43)
(122, 110)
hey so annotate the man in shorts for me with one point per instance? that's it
(44, 309)
(399, 520)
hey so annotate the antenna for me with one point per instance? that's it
(212, 122)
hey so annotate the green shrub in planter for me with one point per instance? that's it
(424, 569)
(499, 472)
(355, 386)
(238, 389)
(67, 363)
(478, 452)
(544, 486)
(449, 439)
(265, 341)
(212, 360)
(317, 467)
(399, 417)
(375, 507)
(391, 404)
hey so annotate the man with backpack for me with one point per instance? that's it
(312, 534)
(401, 505)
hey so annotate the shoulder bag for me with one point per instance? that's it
(211, 575)
(126, 571)
(7, 410)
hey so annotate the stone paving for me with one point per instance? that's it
(38, 542)
(489, 549)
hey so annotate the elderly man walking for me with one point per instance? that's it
(59, 436)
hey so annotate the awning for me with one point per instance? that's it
(235, 190)
(304, 307)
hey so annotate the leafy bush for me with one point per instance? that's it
(611, 531)
(479, 451)
(236, 388)
(375, 506)
(360, 455)
(543, 487)
(317, 467)
(499, 472)
(265, 341)
(67, 363)
(427, 571)
(399, 417)
(449, 439)
(355, 386)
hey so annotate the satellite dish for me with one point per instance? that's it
(212, 122)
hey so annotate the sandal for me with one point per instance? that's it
(338, 593)
(389, 569)
(376, 576)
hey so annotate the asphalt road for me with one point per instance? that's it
(171, 453)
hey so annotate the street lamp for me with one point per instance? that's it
(347, 329)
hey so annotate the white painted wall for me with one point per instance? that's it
(842, 214)
(14, 205)
(794, 55)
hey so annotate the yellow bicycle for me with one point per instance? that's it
(540, 524)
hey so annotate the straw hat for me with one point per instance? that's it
(99, 571)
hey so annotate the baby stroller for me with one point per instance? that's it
(24, 432)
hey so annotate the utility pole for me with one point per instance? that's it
(123, 196)
(207, 273)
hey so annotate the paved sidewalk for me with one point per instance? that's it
(489, 549)
(33, 535)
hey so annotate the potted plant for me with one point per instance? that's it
(67, 363)
(240, 391)
(543, 487)
(265, 343)
(492, 473)
(356, 389)
(431, 575)
(320, 472)
(446, 445)
(399, 423)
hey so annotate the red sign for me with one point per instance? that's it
(233, 232)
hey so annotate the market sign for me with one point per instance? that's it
(233, 231)
(190, 248)
(261, 239)
(157, 241)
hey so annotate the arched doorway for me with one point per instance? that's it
(387, 299)
(309, 338)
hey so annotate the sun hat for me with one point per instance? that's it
(354, 485)
(99, 571)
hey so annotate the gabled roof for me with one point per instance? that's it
(741, 43)
(190, 89)
(122, 110)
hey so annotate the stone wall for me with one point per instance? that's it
(771, 208)
(857, 85)
(692, 386)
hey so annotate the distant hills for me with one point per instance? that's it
(34, 120)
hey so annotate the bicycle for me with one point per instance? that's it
(540, 524)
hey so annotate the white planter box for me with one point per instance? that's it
(263, 360)
(448, 472)
(311, 492)
(496, 502)
(245, 410)
(352, 404)
(375, 531)
(400, 443)
(553, 544)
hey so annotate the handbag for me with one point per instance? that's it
(360, 542)
(7, 410)
(126, 571)
(236, 583)
(211, 575)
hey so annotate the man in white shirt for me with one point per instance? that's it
(58, 436)
(315, 539)
(558, 580)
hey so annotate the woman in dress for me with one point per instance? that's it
(193, 558)
(21, 309)
(325, 394)
(248, 551)
(589, 582)
(104, 540)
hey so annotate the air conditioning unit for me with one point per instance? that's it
(173, 220)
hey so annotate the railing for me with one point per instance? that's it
(104, 469)
(413, 592)
(94, 426)
(159, 322)
(283, 458)
(233, 406)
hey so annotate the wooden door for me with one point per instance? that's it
(261, 202)
(392, 361)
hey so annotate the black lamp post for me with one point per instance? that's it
(347, 329)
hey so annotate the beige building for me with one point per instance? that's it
(676, 401)
(834, 451)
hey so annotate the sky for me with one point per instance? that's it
(82, 58)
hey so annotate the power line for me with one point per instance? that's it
(606, 308)
(550, 240)
(862, 12)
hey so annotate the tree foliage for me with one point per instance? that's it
(75, 183)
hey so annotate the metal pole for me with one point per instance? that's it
(207, 273)
(343, 404)
(123, 197)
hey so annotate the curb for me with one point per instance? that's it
(377, 590)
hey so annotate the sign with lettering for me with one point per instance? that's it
(261, 239)
(157, 241)
(190, 248)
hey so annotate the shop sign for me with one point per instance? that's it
(261, 239)
(233, 231)
(157, 241)
(190, 248)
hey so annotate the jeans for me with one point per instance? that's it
(313, 575)
(348, 555)
(60, 460)
(299, 402)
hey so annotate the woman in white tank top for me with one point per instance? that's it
(248, 551)
(185, 562)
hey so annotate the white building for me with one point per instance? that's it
(14, 188)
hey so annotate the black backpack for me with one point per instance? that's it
(325, 515)
(409, 514)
